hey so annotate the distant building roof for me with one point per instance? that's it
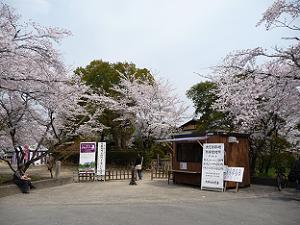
(190, 125)
(19, 148)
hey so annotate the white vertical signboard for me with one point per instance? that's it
(101, 160)
(212, 166)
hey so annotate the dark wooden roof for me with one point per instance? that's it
(190, 122)
(209, 133)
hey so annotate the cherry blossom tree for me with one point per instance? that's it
(150, 105)
(101, 76)
(48, 120)
(39, 102)
(28, 57)
(258, 87)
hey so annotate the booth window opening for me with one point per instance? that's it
(189, 152)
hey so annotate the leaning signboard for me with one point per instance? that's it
(87, 157)
(212, 166)
(234, 174)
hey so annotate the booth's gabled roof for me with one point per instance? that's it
(184, 139)
(209, 133)
(196, 136)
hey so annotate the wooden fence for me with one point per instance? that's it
(83, 176)
(124, 174)
(159, 174)
(111, 174)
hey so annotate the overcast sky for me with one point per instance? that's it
(172, 38)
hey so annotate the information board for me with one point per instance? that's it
(212, 166)
(87, 157)
(234, 174)
(101, 159)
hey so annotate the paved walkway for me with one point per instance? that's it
(149, 202)
(145, 191)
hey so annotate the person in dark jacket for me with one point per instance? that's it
(22, 180)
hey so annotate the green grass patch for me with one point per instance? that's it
(271, 173)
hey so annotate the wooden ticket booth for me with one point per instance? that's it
(187, 152)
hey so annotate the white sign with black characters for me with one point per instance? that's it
(101, 159)
(234, 174)
(212, 166)
(183, 165)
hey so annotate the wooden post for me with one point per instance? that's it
(237, 187)
(225, 186)
(57, 169)
(170, 162)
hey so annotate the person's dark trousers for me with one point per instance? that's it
(24, 185)
(30, 185)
